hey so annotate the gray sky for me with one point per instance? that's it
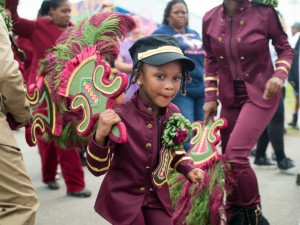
(289, 8)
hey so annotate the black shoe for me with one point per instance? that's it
(286, 166)
(253, 216)
(236, 215)
(53, 185)
(274, 156)
(298, 179)
(84, 193)
(253, 152)
(82, 158)
(264, 162)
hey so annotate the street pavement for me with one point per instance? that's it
(279, 193)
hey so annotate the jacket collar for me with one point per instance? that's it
(146, 108)
(245, 4)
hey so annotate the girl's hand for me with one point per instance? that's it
(107, 119)
(273, 86)
(196, 175)
(209, 108)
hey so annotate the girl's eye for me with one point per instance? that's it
(177, 78)
(160, 76)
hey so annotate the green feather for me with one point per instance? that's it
(273, 3)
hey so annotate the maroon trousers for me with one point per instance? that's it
(152, 212)
(246, 122)
(69, 160)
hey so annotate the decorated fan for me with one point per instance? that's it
(76, 81)
(201, 203)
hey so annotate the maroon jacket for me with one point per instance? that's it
(128, 176)
(237, 48)
(42, 33)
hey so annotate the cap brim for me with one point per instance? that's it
(163, 58)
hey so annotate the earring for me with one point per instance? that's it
(139, 82)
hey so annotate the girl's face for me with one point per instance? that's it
(178, 16)
(61, 15)
(160, 84)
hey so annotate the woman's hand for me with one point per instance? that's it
(107, 119)
(196, 175)
(209, 108)
(273, 86)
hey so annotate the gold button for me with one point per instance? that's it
(149, 125)
(142, 189)
(239, 40)
(221, 57)
(242, 22)
(242, 9)
(219, 38)
(149, 109)
(148, 145)
(147, 168)
(242, 57)
(247, 75)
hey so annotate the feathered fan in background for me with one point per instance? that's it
(76, 82)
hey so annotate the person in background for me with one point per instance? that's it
(239, 73)
(24, 43)
(43, 34)
(124, 61)
(294, 72)
(175, 23)
(160, 69)
(18, 200)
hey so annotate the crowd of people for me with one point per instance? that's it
(227, 70)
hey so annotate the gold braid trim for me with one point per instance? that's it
(182, 152)
(284, 62)
(99, 170)
(211, 78)
(97, 158)
(179, 161)
(211, 89)
(282, 68)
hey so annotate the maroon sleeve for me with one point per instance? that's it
(211, 67)
(21, 27)
(98, 158)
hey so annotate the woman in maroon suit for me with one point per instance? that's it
(239, 74)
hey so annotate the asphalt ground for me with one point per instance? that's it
(279, 193)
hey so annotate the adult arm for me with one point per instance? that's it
(21, 27)
(285, 55)
(211, 77)
(13, 93)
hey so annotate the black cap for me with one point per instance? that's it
(158, 49)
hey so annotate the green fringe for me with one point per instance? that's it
(176, 188)
(273, 3)
(6, 19)
(199, 212)
(91, 33)
(69, 137)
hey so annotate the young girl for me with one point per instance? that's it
(127, 195)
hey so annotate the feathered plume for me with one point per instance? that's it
(76, 83)
(102, 30)
(273, 3)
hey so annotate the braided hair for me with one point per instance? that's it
(136, 73)
(168, 11)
